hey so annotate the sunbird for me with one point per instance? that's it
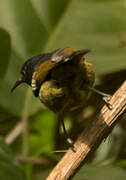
(61, 80)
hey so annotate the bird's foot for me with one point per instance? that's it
(105, 97)
(71, 143)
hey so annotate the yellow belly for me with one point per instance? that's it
(68, 87)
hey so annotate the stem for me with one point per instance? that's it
(24, 120)
(16, 131)
(91, 137)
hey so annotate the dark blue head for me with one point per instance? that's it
(29, 67)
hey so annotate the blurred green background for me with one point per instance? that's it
(29, 131)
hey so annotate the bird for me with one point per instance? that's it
(61, 80)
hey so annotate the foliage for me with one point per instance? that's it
(9, 167)
(30, 27)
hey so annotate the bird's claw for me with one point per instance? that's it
(106, 98)
(71, 143)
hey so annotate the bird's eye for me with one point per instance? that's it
(23, 73)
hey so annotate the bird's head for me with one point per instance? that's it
(27, 71)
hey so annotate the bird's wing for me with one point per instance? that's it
(46, 62)
(63, 55)
(67, 54)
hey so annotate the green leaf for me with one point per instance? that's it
(5, 50)
(9, 167)
(50, 11)
(42, 133)
(89, 172)
(28, 34)
(95, 25)
(105, 153)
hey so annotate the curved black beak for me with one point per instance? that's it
(16, 84)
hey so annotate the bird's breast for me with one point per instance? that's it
(67, 87)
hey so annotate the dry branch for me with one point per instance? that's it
(16, 131)
(91, 137)
(35, 160)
